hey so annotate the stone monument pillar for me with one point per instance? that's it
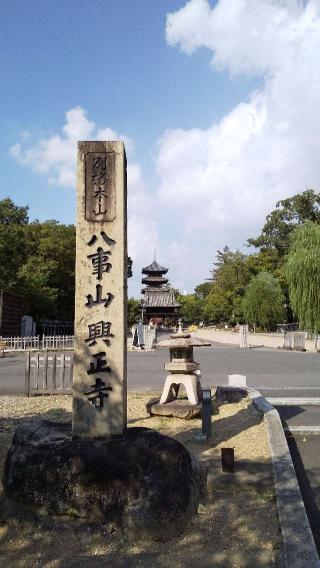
(100, 374)
(78, 485)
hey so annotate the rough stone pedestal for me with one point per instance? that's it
(178, 408)
(144, 482)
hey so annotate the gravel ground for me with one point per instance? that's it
(237, 526)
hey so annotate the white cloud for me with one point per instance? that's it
(216, 185)
(245, 36)
(55, 157)
(222, 181)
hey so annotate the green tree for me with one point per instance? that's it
(48, 275)
(11, 214)
(134, 311)
(303, 274)
(202, 290)
(191, 309)
(230, 277)
(37, 262)
(289, 213)
(13, 220)
(218, 305)
(263, 302)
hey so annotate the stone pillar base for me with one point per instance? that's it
(144, 482)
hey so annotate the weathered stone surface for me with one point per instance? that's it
(100, 363)
(230, 394)
(182, 366)
(183, 340)
(144, 482)
(178, 408)
(172, 385)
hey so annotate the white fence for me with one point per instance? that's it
(294, 340)
(243, 331)
(37, 342)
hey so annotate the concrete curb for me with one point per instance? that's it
(307, 401)
(299, 547)
(303, 430)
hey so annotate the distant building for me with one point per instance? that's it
(159, 304)
(11, 310)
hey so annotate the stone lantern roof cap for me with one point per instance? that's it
(183, 340)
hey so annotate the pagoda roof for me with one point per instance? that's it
(154, 267)
(160, 299)
(157, 280)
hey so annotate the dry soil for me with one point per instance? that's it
(237, 524)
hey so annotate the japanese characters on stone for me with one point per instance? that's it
(100, 194)
(99, 206)
(100, 330)
(100, 370)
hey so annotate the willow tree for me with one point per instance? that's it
(303, 275)
(263, 302)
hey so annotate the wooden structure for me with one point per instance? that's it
(159, 305)
(48, 373)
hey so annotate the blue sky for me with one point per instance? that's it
(207, 100)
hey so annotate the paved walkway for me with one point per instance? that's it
(255, 339)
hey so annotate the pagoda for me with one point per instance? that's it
(159, 304)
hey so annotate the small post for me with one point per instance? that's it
(227, 460)
(27, 373)
(237, 380)
(206, 412)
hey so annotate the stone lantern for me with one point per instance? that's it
(182, 371)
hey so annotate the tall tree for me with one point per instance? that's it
(202, 290)
(289, 213)
(191, 309)
(11, 214)
(134, 311)
(230, 276)
(13, 220)
(263, 302)
(303, 274)
(48, 273)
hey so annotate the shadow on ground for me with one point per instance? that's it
(236, 526)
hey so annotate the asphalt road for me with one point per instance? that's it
(273, 372)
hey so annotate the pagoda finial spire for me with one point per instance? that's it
(155, 255)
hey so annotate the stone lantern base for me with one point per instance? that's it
(178, 408)
(190, 382)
